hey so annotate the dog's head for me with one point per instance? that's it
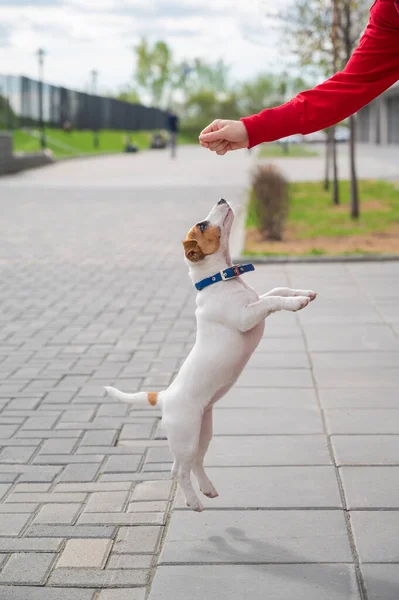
(210, 237)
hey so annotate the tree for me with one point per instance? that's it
(325, 33)
(129, 95)
(154, 69)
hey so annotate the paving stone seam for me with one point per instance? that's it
(168, 517)
(355, 554)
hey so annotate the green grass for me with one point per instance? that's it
(64, 144)
(313, 215)
(294, 151)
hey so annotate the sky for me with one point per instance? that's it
(81, 35)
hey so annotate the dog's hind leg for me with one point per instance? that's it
(204, 483)
(183, 441)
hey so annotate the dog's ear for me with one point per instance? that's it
(192, 250)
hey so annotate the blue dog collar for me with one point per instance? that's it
(225, 275)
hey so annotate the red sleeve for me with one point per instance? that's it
(373, 68)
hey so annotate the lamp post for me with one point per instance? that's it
(40, 55)
(94, 77)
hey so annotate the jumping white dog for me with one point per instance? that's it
(230, 324)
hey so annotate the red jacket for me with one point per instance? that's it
(373, 68)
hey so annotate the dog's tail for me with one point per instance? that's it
(152, 398)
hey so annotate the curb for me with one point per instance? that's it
(270, 260)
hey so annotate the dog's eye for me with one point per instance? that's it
(203, 225)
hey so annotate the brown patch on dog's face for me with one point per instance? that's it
(202, 239)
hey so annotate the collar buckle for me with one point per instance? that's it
(223, 275)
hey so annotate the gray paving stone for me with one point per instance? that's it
(130, 561)
(266, 421)
(268, 450)
(371, 487)
(101, 502)
(31, 487)
(96, 438)
(142, 540)
(358, 338)
(274, 360)
(271, 487)
(56, 446)
(363, 421)
(85, 553)
(71, 531)
(359, 398)
(260, 397)
(112, 450)
(60, 514)
(8, 477)
(66, 459)
(44, 593)
(279, 582)
(7, 431)
(257, 537)
(30, 544)
(99, 578)
(382, 581)
(96, 486)
(40, 423)
(139, 518)
(83, 472)
(357, 377)
(158, 506)
(18, 508)
(126, 594)
(373, 535)
(366, 449)
(13, 524)
(341, 360)
(27, 568)
(17, 455)
(122, 464)
(23, 404)
(152, 490)
(47, 497)
(136, 431)
(275, 378)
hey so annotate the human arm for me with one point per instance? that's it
(373, 68)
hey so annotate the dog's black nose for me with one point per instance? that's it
(222, 201)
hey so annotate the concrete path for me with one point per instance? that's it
(306, 449)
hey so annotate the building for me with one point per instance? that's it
(378, 122)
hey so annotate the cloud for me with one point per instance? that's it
(4, 36)
(36, 3)
(80, 35)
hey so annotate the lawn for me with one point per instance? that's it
(315, 226)
(294, 151)
(64, 144)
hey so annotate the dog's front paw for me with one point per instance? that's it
(312, 295)
(297, 303)
(308, 293)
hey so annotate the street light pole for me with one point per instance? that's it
(94, 76)
(40, 55)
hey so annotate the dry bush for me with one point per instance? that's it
(271, 201)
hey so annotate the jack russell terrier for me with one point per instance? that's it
(230, 324)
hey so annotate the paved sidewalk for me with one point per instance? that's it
(306, 450)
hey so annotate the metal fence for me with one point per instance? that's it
(20, 107)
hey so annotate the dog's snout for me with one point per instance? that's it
(222, 201)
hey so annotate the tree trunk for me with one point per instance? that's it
(354, 183)
(327, 163)
(336, 200)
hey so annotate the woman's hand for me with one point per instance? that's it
(223, 135)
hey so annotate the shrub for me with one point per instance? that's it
(271, 201)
